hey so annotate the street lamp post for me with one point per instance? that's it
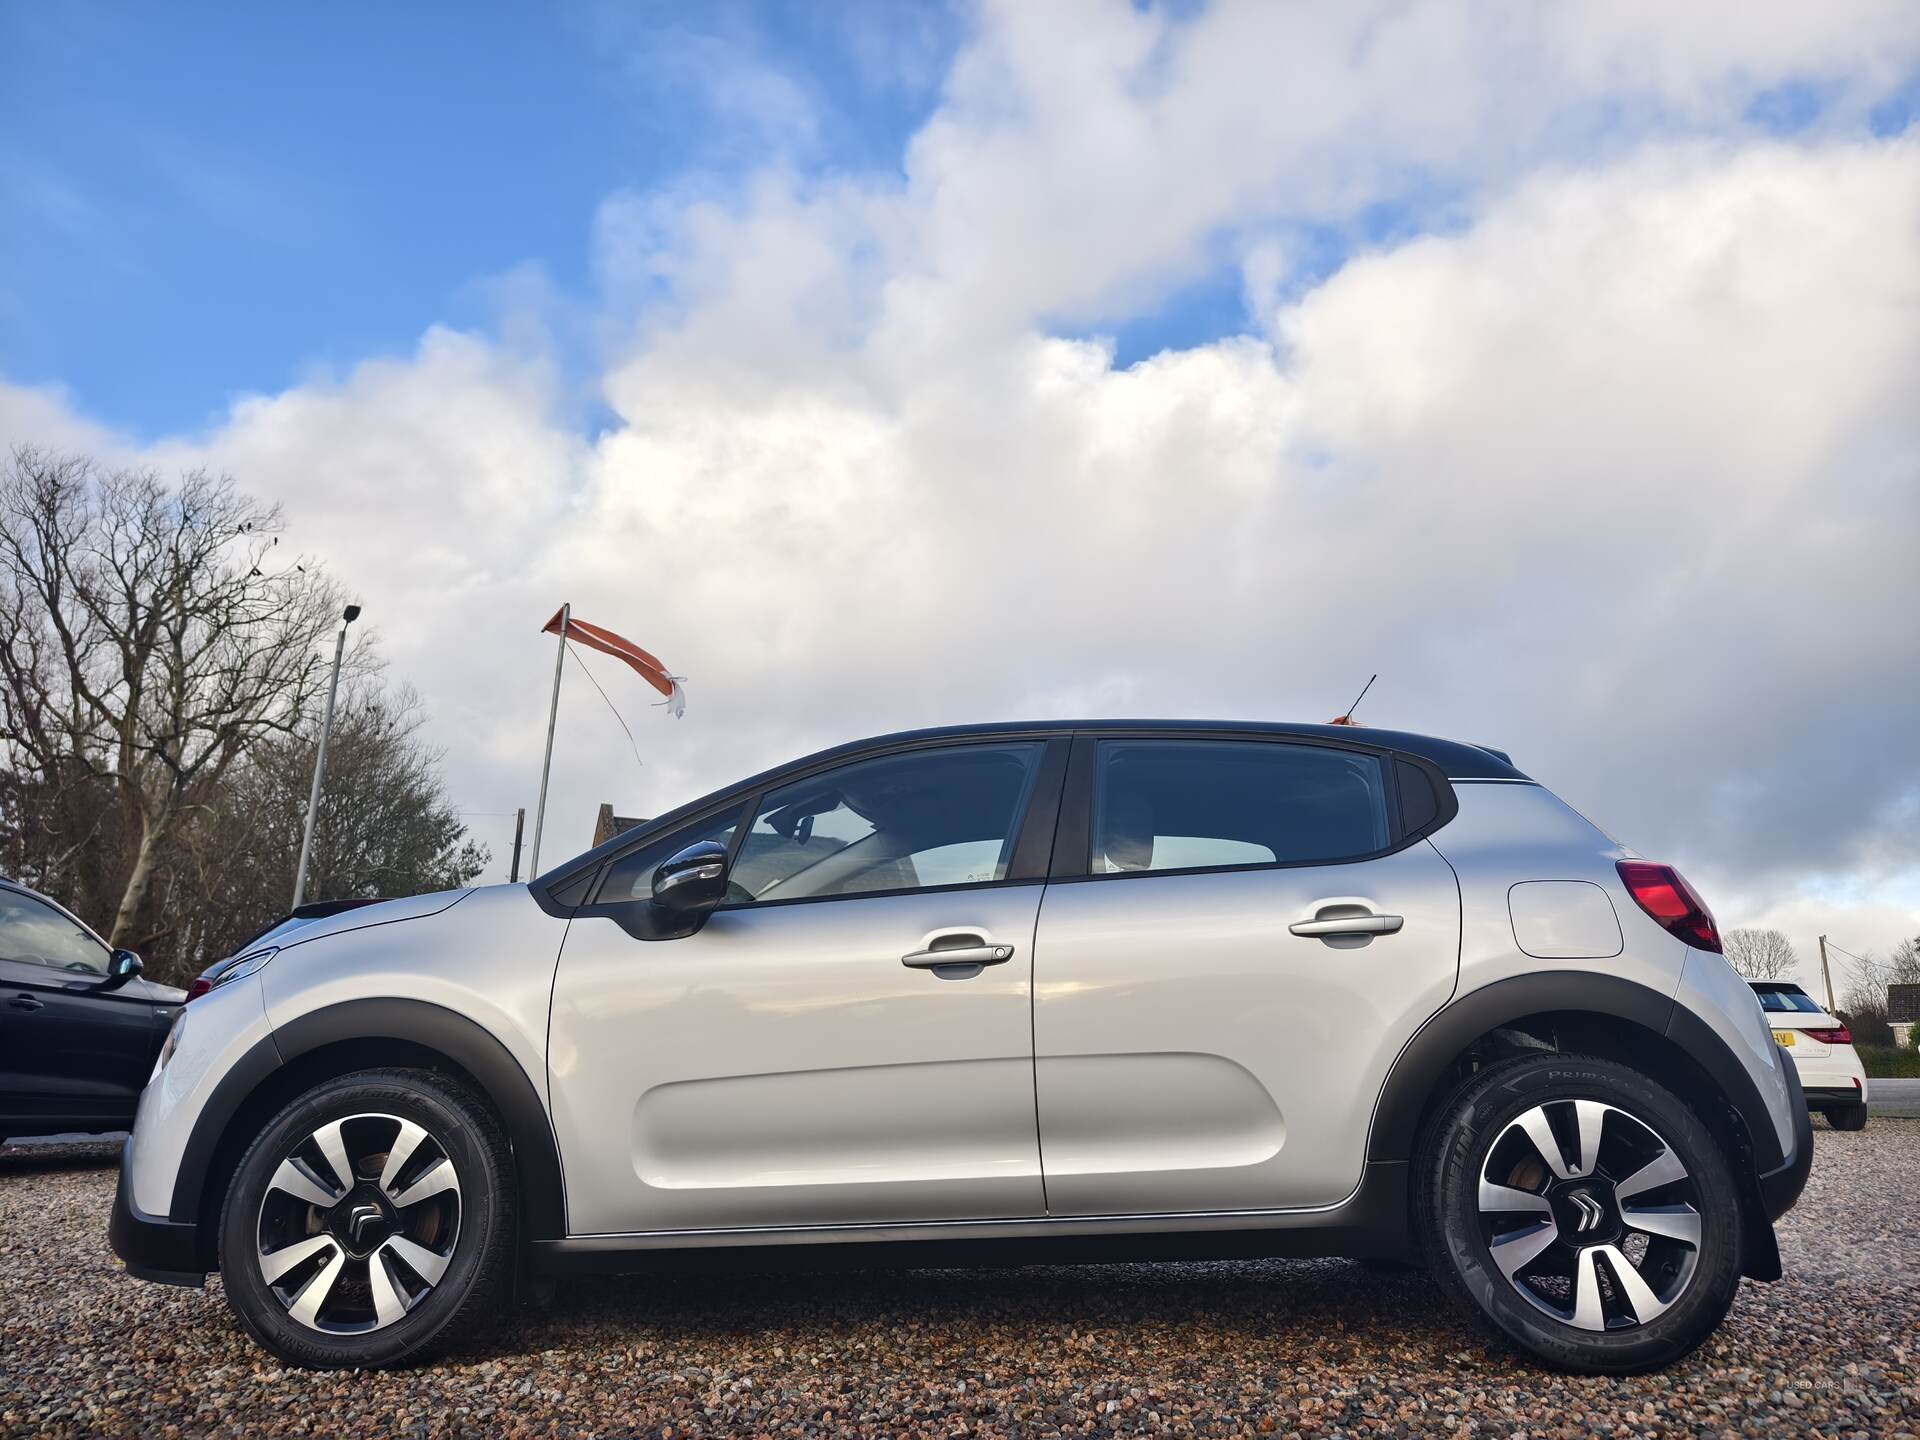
(347, 617)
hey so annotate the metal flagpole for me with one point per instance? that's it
(553, 715)
(347, 617)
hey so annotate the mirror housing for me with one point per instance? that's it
(694, 881)
(122, 966)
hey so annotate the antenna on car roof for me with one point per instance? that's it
(1347, 719)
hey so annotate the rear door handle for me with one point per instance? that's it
(1355, 925)
(957, 955)
(1346, 916)
(27, 1002)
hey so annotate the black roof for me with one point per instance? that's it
(1456, 759)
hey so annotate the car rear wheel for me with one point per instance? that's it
(370, 1222)
(1848, 1117)
(1583, 1212)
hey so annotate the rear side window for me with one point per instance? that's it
(1199, 804)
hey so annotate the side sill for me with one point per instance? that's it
(1372, 1223)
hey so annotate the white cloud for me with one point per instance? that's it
(1622, 472)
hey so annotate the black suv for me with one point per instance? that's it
(79, 1026)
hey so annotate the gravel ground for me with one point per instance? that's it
(1309, 1347)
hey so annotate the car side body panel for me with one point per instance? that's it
(1191, 1054)
(782, 1066)
(489, 956)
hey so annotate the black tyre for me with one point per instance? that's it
(1848, 1117)
(370, 1222)
(1581, 1211)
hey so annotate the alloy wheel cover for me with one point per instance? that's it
(1590, 1215)
(358, 1223)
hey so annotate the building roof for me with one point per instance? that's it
(606, 825)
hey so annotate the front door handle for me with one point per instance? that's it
(957, 955)
(27, 1002)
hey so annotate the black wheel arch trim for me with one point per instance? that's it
(1770, 1181)
(1424, 1061)
(415, 1022)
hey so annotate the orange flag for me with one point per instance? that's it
(623, 649)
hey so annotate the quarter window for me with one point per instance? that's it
(1200, 804)
(901, 822)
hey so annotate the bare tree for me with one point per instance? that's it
(147, 643)
(1865, 998)
(1760, 954)
(385, 827)
(1903, 963)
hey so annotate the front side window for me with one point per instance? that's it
(1200, 804)
(901, 822)
(34, 933)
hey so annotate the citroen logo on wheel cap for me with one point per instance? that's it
(1590, 1212)
(365, 1215)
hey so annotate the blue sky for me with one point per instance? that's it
(216, 200)
(210, 199)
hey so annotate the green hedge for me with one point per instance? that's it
(1889, 1062)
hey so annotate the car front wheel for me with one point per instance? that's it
(370, 1222)
(1582, 1211)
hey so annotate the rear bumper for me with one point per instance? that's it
(153, 1248)
(1821, 1096)
(1781, 1186)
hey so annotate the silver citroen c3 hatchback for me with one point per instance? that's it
(1066, 990)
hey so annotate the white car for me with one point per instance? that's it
(1822, 1051)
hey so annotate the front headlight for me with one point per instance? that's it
(171, 1044)
(236, 968)
(241, 966)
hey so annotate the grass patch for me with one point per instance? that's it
(1889, 1062)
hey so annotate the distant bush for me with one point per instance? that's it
(1868, 1022)
(1887, 1062)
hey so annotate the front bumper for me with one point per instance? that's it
(167, 1251)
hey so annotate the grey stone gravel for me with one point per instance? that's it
(1287, 1347)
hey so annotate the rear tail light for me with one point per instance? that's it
(1659, 890)
(201, 985)
(1836, 1036)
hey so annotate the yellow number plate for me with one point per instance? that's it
(1783, 1038)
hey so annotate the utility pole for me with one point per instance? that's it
(519, 826)
(1826, 975)
(347, 617)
